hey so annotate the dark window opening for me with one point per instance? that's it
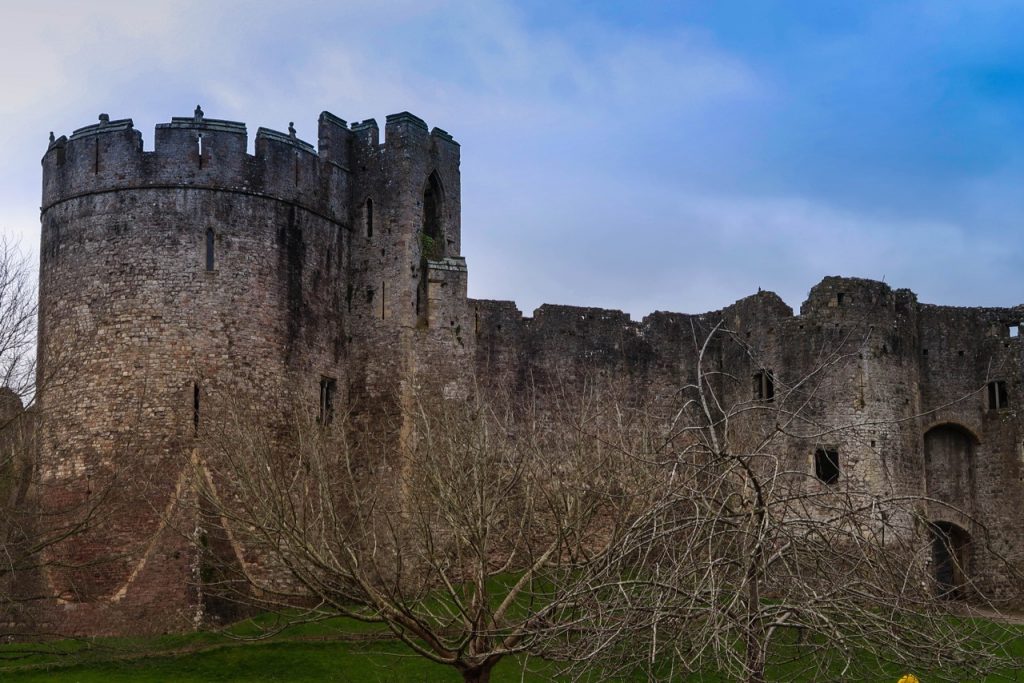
(433, 239)
(96, 158)
(839, 298)
(764, 385)
(199, 149)
(209, 248)
(195, 408)
(997, 399)
(950, 555)
(826, 465)
(383, 309)
(924, 352)
(368, 218)
(348, 297)
(328, 389)
(960, 353)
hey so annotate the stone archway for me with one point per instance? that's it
(949, 459)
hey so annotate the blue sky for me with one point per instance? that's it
(641, 156)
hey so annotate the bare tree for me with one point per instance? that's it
(471, 540)
(750, 560)
(621, 534)
(17, 322)
(29, 533)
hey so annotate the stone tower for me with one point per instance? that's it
(196, 270)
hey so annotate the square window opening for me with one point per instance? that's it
(997, 397)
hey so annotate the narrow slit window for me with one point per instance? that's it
(199, 148)
(383, 308)
(764, 385)
(210, 243)
(368, 211)
(328, 390)
(195, 408)
(826, 465)
(997, 398)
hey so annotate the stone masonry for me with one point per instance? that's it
(196, 269)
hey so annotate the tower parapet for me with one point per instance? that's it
(204, 153)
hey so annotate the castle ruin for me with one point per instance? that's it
(196, 268)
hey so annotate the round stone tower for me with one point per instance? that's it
(168, 277)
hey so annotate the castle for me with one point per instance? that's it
(195, 268)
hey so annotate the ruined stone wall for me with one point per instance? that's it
(863, 370)
(976, 479)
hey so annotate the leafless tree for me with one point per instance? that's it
(750, 560)
(27, 531)
(620, 534)
(471, 538)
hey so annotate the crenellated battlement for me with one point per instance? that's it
(204, 153)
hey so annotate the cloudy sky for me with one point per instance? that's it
(636, 155)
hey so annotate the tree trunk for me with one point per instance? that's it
(479, 674)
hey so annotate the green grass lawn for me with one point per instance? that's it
(335, 650)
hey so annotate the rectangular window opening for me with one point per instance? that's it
(328, 390)
(997, 398)
(210, 239)
(195, 408)
(826, 465)
(839, 298)
(199, 148)
(764, 385)
(1014, 331)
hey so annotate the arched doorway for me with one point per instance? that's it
(949, 454)
(950, 559)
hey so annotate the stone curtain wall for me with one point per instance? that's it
(871, 370)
